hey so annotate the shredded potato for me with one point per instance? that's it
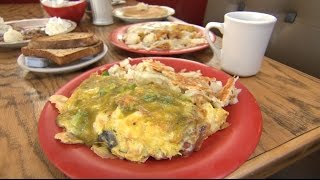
(164, 36)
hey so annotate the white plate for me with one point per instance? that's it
(62, 69)
(119, 14)
(116, 2)
(117, 38)
(29, 24)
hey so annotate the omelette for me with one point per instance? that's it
(135, 112)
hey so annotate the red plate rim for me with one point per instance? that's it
(220, 154)
(117, 33)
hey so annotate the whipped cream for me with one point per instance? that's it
(12, 36)
(142, 6)
(56, 25)
(59, 3)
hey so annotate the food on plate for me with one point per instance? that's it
(56, 26)
(64, 41)
(59, 3)
(142, 10)
(134, 112)
(163, 36)
(12, 36)
(14, 32)
(63, 49)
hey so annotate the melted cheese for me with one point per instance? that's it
(148, 120)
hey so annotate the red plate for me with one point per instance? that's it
(117, 34)
(220, 154)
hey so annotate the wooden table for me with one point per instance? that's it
(289, 101)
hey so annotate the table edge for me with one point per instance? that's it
(290, 151)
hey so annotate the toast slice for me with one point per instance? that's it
(64, 41)
(64, 56)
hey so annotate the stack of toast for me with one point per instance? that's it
(64, 48)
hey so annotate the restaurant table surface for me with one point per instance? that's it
(289, 101)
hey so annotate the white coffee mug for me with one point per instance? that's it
(244, 42)
(101, 12)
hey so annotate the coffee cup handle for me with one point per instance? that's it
(216, 50)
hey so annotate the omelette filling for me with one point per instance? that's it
(127, 117)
